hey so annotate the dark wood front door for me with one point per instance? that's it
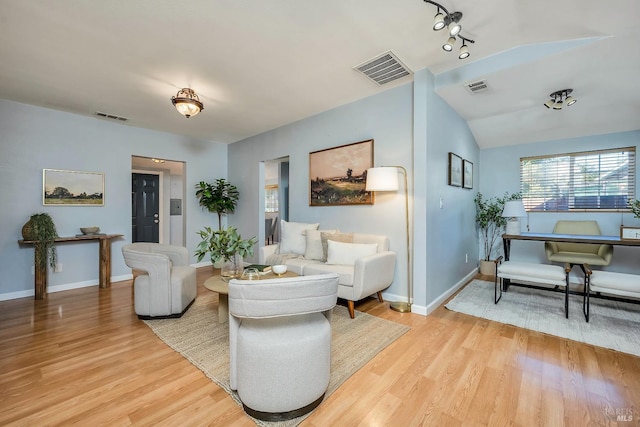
(145, 207)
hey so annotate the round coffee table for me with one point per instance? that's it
(216, 284)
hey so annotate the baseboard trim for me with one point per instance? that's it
(59, 288)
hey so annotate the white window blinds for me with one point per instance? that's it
(592, 180)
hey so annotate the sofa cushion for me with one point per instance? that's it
(344, 272)
(313, 249)
(292, 238)
(348, 253)
(276, 259)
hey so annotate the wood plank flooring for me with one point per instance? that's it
(82, 357)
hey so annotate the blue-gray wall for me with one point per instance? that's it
(500, 173)
(412, 127)
(34, 138)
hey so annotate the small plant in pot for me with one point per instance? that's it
(225, 245)
(491, 224)
(634, 205)
(41, 228)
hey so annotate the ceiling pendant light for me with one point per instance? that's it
(452, 21)
(464, 51)
(438, 21)
(187, 102)
(560, 98)
(448, 46)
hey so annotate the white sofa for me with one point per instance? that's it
(359, 276)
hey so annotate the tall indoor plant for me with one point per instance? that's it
(219, 197)
(634, 205)
(491, 224)
(41, 229)
(225, 245)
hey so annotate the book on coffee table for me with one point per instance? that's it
(263, 269)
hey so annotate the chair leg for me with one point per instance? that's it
(351, 306)
(380, 296)
(497, 283)
(585, 298)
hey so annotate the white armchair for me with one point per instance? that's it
(169, 286)
(280, 343)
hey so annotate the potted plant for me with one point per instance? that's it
(635, 207)
(225, 245)
(491, 224)
(220, 197)
(41, 229)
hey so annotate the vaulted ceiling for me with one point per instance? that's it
(258, 65)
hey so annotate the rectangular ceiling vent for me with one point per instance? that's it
(383, 69)
(111, 116)
(475, 87)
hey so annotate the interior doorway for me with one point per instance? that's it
(170, 213)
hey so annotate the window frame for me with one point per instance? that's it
(579, 192)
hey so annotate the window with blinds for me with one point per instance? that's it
(592, 180)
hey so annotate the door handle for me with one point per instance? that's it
(155, 221)
(155, 215)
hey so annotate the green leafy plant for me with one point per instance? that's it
(41, 228)
(634, 205)
(220, 197)
(223, 244)
(490, 221)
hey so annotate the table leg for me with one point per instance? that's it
(223, 308)
(40, 279)
(104, 263)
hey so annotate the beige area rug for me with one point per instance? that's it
(204, 342)
(612, 324)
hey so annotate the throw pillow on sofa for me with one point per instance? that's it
(313, 249)
(292, 238)
(347, 253)
(336, 237)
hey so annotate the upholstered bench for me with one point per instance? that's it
(609, 282)
(530, 272)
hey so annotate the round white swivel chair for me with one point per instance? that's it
(280, 343)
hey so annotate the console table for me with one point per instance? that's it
(569, 238)
(104, 260)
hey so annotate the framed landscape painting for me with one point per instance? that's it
(337, 176)
(72, 188)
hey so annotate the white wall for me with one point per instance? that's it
(500, 173)
(34, 138)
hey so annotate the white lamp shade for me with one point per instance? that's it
(514, 209)
(384, 178)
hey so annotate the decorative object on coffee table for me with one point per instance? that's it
(225, 245)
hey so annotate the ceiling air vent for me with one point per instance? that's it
(383, 68)
(111, 116)
(475, 87)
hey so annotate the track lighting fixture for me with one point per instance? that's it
(448, 46)
(560, 98)
(452, 22)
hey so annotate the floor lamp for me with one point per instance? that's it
(385, 178)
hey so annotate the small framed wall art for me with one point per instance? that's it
(467, 174)
(72, 188)
(455, 170)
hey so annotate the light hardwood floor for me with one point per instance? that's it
(82, 357)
